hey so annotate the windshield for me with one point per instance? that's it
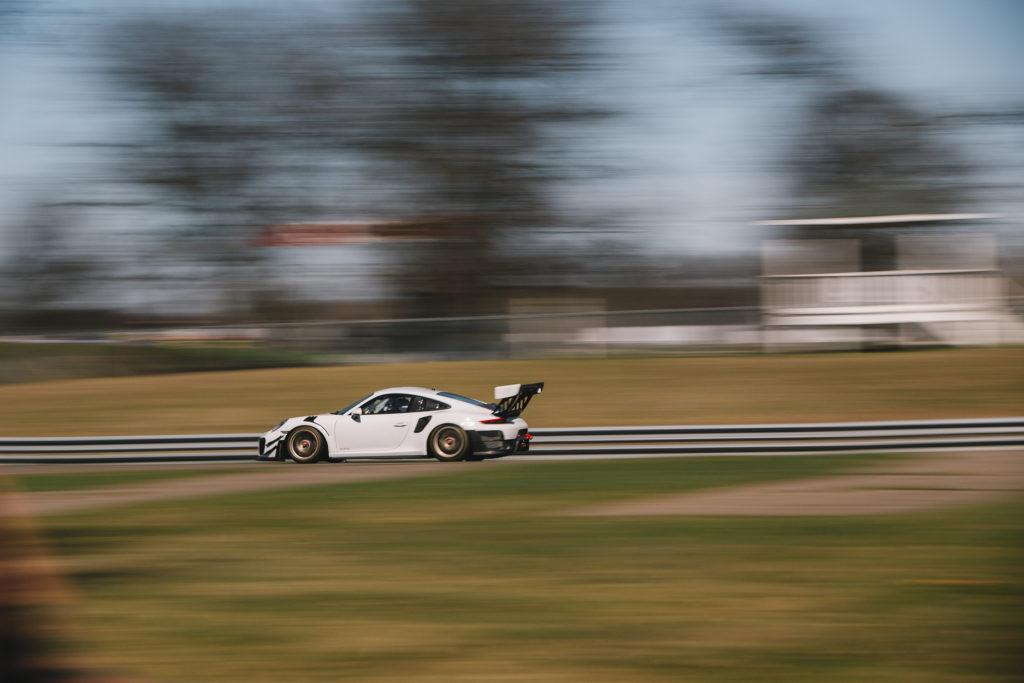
(466, 399)
(351, 406)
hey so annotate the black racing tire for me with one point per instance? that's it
(449, 443)
(304, 445)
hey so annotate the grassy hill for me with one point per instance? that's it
(621, 391)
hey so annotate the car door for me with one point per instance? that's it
(379, 425)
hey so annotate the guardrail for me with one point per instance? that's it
(129, 449)
(766, 439)
(758, 439)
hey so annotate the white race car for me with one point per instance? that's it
(408, 422)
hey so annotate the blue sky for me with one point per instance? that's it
(698, 139)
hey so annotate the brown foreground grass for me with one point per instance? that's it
(479, 576)
(619, 391)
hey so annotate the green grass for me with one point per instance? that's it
(620, 391)
(475, 576)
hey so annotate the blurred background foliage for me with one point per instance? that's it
(482, 122)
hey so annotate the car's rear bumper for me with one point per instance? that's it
(494, 443)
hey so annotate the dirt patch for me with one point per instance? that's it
(269, 476)
(928, 482)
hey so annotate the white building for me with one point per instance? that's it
(920, 279)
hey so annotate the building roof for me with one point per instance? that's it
(867, 221)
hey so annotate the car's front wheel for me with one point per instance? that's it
(449, 443)
(305, 445)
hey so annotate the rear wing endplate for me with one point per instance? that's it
(513, 398)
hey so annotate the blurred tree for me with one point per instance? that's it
(10, 13)
(457, 108)
(201, 148)
(784, 48)
(478, 104)
(43, 269)
(863, 151)
(855, 149)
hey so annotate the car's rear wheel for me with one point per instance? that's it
(305, 445)
(449, 443)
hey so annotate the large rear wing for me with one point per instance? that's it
(512, 398)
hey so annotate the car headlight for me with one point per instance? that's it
(279, 425)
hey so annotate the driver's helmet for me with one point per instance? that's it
(400, 404)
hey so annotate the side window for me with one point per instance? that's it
(431, 404)
(389, 403)
(376, 406)
(399, 404)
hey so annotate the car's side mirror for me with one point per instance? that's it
(355, 416)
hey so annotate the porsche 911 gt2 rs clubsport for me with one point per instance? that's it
(408, 422)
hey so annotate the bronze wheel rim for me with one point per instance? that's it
(448, 441)
(305, 445)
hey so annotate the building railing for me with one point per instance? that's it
(916, 289)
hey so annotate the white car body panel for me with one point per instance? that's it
(373, 433)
